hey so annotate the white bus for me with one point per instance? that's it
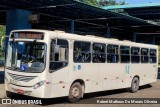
(51, 64)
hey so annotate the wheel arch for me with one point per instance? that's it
(137, 77)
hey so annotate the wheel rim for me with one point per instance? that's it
(135, 85)
(75, 92)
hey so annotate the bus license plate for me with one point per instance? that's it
(13, 81)
(19, 91)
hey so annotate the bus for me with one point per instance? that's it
(52, 64)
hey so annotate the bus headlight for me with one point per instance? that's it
(37, 85)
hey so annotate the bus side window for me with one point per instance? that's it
(144, 55)
(82, 53)
(112, 54)
(135, 55)
(153, 56)
(58, 54)
(99, 53)
(125, 54)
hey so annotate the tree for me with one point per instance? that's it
(90, 2)
(111, 2)
(101, 3)
(2, 35)
(107, 2)
(2, 30)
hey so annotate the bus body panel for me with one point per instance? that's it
(96, 76)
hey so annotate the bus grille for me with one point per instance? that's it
(21, 77)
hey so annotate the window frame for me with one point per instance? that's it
(118, 54)
(145, 56)
(90, 50)
(124, 54)
(139, 55)
(51, 71)
(152, 56)
(105, 52)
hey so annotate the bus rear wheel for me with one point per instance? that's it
(75, 92)
(134, 85)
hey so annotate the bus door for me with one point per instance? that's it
(59, 54)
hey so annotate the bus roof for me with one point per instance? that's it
(62, 34)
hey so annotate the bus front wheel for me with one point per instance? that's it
(75, 92)
(134, 85)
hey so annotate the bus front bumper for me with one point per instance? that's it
(28, 91)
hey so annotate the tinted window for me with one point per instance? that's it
(135, 55)
(82, 52)
(99, 54)
(144, 55)
(125, 54)
(58, 54)
(153, 55)
(112, 54)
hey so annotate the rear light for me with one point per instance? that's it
(39, 84)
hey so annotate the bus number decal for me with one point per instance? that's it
(79, 67)
(127, 69)
(74, 67)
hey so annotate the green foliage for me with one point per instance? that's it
(2, 33)
(101, 3)
(111, 2)
(2, 54)
(90, 2)
(2, 30)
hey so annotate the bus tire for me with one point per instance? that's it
(134, 85)
(8, 94)
(75, 92)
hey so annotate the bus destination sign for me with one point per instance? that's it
(27, 35)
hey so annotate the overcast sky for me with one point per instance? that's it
(140, 1)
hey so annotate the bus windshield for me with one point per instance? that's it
(26, 56)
